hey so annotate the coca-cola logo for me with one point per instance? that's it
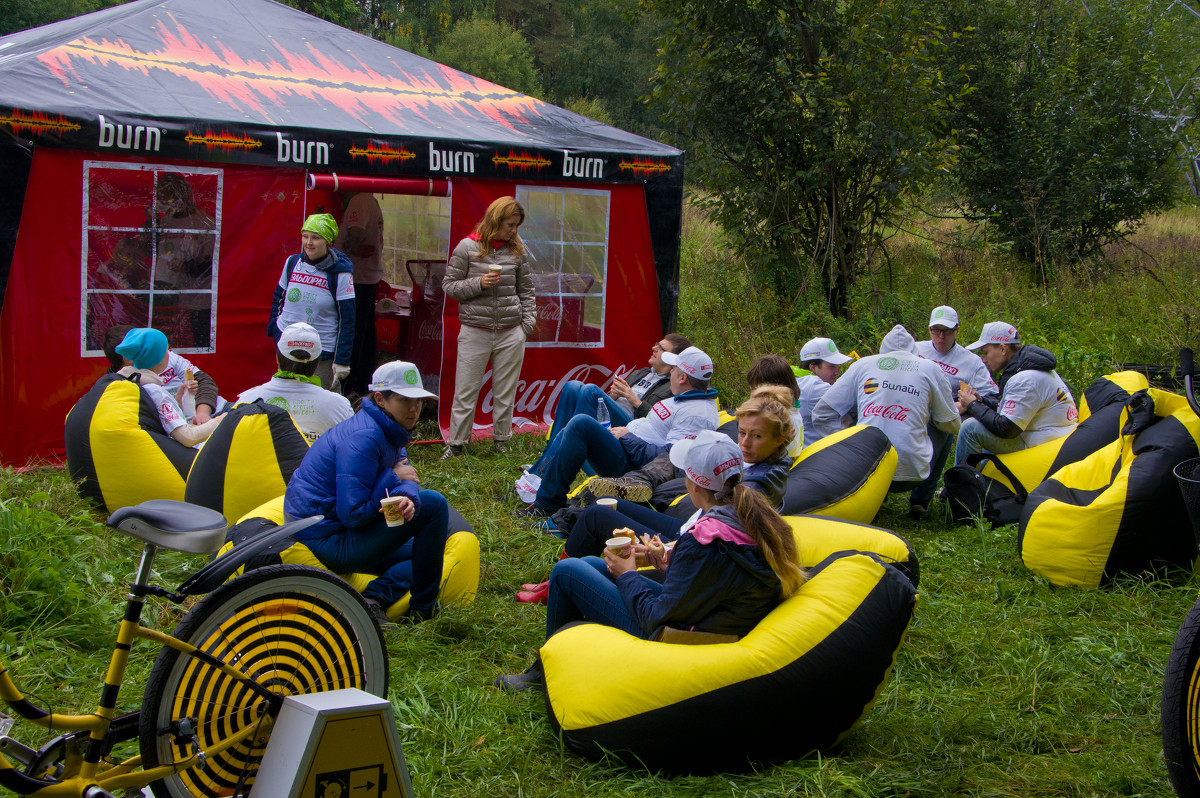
(543, 395)
(549, 311)
(430, 331)
(889, 412)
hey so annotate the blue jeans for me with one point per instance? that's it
(974, 438)
(379, 548)
(596, 524)
(942, 442)
(578, 398)
(581, 589)
(583, 440)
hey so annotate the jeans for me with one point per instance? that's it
(583, 440)
(581, 589)
(974, 438)
(578, 398)
(942, 442)
(377, 548)
(596, 524)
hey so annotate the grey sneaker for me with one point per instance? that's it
(499, 447)
(452, 450)
(622, 488)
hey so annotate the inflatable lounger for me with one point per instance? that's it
(249, 545)
(249, 460)
(117, 453)
(1120, 509)
(845, 475)
(799, 682)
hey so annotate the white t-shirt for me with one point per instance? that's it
(670, 420)
(363, 213)
(313, 408)
(1040, 403)
(961, 365)
(173, 375)
(797, 444)
(169, 413)
(899, 394)
(640, 387)
(812, 388)
(306, 298)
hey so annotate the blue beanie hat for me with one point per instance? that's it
(145, 346)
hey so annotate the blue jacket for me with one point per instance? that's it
(769, 478)
(338, 263)
(348, 471)
(720, 587)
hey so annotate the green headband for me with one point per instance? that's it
(323, 225)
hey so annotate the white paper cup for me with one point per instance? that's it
(494, 268)
(392, 511)
(620, 546)
(608, 502)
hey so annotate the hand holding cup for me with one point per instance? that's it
(396, 510)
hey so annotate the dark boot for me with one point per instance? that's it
(533, 678)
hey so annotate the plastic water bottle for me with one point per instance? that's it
(602, 414)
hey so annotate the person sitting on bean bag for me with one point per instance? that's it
(146, 356)
(725, 574)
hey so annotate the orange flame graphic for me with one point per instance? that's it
(268, 85)
(37, 122)
(644, 167)
(223, 141)
(524, 161)
(380, 153)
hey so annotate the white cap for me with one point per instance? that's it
(692, 362)
(400, 377)
(997, 332)
(944, 316)
(300, 336)
(898, 340)
(709, 458)
(822, 349)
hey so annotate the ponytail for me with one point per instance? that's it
(771, 533)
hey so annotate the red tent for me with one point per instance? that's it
(241, 118)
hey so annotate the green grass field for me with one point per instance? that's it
(1005, 685)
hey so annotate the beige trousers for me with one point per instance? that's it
(476, 346)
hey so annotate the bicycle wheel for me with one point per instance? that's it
(294, 629)
(1181, 708)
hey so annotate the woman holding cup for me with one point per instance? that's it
(726, 572)
(489, 274)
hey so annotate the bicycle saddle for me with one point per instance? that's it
(178, 526)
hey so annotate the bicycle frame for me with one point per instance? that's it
(92, 771)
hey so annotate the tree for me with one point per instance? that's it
(1061, 147)
(807, 119)
(489, 50)
(24, 14)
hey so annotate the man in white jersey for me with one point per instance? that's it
(900, 394)
(360, 236)
(823, 360)
(960, 366)
(295, 388)
(1034, 405)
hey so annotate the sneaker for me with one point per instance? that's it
(499, 447)
(918, 513)
(622, 488)
(534, 678)
(532, 512)
(452, 450)
(380, 615)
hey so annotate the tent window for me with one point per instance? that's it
(566, 232)
(150, 252)
(414, 228)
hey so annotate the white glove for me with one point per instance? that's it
(340, 372)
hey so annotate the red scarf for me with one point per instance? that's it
(497, 243)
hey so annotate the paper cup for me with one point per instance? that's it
(494, 268)
(619, 545)
(392, 511)
(608, 502)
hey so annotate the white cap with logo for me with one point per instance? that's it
(400, 377)
(692, 362)
(997, 332)
(709, 458)
(944, 316)
(300, 337)
(822, 349)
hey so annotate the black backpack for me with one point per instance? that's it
(971, 495)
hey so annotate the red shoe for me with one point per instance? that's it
(534, 596)
(531, 587)
(562, 555)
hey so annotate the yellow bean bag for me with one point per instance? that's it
(247, 461)
(1120, 509)
(799, 682)
(818, 537)
(460, 562)
(117, 453)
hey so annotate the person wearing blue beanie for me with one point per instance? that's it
(145, 347)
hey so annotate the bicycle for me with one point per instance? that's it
(1181, 682)
(219, 680)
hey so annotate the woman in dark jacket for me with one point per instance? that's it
(725, 574)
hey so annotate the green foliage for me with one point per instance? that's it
(1061, 149)
(23, 14)
(808, 121)
(491, 51)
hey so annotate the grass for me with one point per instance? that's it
(1005, 685)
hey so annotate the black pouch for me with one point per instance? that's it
(972, 495)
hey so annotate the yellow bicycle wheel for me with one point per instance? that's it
(294, 630)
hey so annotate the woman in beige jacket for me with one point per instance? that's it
(489, 275)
